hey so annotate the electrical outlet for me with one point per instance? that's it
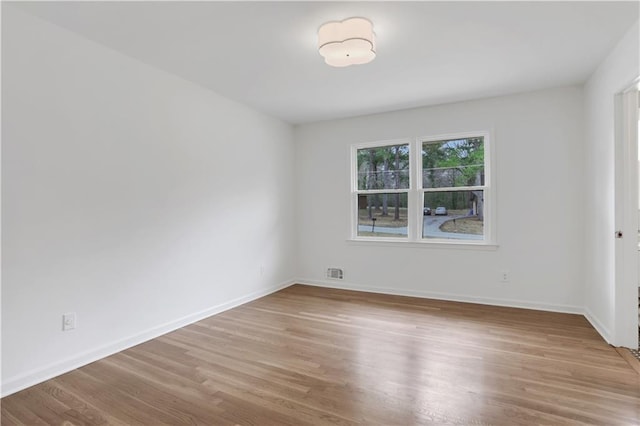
(504, 276)
(69, 321)
(261, 270)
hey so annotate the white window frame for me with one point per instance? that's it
(415, 192)
(355, 192)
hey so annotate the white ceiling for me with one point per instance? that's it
(264, 54)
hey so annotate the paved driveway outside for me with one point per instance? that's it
(431, 229)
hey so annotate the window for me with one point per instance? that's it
(453, 188)
(383, 182)
(426, 190)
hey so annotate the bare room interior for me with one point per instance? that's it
(292, 213)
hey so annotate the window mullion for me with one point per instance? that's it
(456, 188)
(382, 191)
(414, 198)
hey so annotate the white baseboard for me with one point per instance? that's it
(23, 381)
(600, 328)
(568, 309)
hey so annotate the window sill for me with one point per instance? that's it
(457, 245)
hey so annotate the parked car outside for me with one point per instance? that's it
(427, 211)
(441, 211)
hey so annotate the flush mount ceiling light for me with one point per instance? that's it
(348, 42)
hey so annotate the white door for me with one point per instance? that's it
(626, 218)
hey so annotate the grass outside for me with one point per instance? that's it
(385, 221)
(462, 212)
(464, 225)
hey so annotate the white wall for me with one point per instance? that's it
(615, 74)
(539, 164)
(136, 199)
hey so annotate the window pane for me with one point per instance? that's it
(451, 163)
(453, 215)
(382, 215)
(385, 167)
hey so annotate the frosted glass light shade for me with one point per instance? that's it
(348, 42)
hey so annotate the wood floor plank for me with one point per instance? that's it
(631, 360)
(316, 356)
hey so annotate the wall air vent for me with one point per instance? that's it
(335, 273)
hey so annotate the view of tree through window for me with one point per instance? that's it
(453, 163)
(382, 215)
(445, 199)
(383, 168)
(453, 181)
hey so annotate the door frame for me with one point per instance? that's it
(625, 331)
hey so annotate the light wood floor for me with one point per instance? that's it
(310, 355)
